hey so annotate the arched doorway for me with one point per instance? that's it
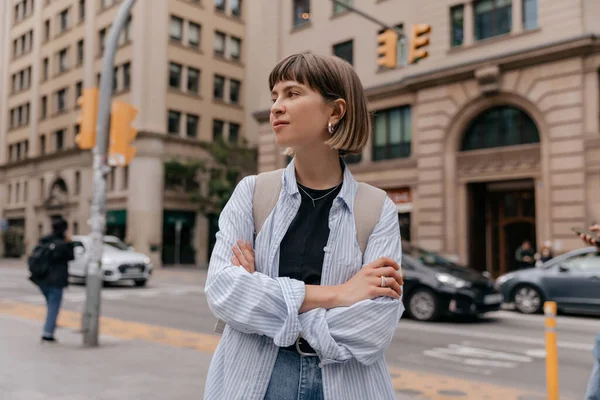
(498, 161)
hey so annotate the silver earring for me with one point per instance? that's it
(331, 128)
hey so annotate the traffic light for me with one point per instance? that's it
(417, 41)
(387, 49)
(120, 151)
(88, 101)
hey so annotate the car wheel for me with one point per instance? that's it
(140, 283)
(423, 305)
(528, 300)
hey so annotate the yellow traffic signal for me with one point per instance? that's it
(88, 101)
(387, 49)
(120, 151)
(417, 41)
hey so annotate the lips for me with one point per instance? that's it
(279, 123)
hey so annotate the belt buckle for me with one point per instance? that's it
(302, 353)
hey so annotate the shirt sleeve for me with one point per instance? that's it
(364, 330)
(250, 303)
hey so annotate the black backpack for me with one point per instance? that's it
(40, 259)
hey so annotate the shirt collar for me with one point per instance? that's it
(347, 193)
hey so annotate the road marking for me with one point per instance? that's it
(492, 336)
(434, 386)
(565, 319)
(474, 356)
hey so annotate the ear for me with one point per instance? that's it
(338, 110)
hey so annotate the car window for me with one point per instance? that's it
(589, 262)
(78, 244)
(116, 244)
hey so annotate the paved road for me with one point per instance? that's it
(500, 356)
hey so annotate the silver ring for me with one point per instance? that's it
(383, 281)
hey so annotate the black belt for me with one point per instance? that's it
(302, 348)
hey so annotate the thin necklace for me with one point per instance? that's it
(319, 198)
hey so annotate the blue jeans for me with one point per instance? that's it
(295, 378)
(593, 389)
(53, 297)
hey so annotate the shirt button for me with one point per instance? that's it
(326, 248)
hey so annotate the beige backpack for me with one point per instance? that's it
(367, 209)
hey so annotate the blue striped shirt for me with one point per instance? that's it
(261, 309)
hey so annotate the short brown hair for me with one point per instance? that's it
(334, 79)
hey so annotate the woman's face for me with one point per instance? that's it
(299, 116)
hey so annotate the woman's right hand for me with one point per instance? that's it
(366, 284)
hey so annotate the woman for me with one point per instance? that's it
(308, 316)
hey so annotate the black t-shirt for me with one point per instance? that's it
(302, 247)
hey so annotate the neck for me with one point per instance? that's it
(318, 169)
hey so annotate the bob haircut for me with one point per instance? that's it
(334, 79)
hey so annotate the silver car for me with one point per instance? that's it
(572, 280)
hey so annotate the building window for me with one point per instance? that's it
(46, 68)
(235, 52)
(457, 21)
(63, 60)
(80, 52)
(492, 18)
(175, 76)
(176, 28)
(102, 39)
(345, 51)
(219, 45)
(115, 79)
(218, 130)
(530, 14)
(126, 31)
(105, 3)
(219, 88)
(75, 228)
(234, 91)
(64, 20)
(500, 126)
(301, 12)
(234, 132)
(125, 181)
(61, 100)
(191, 129)
(47, 30)
(81, 10)
(220, 5)
(44, 108)
(25, 191)
(392, 134)
(43, 147)
(194, 35)
(174, 117)
(338, 9)
(193, 83)
(60, 137)
(78, 91)
(77, 182)
(126, 76)
(236, 8)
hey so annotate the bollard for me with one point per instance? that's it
(551, 350)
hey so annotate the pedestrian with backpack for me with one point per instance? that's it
(304, 276)
(49, 268)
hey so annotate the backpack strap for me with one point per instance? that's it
(368, 204)
(266, 194)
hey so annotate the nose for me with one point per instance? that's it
(277, 108)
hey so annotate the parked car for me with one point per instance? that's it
(435, 286)
(119, 261)
(572, 280)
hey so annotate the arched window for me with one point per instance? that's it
(499, 127)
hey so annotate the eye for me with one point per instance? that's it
(294, 94)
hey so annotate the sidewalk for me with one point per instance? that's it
(117, 369)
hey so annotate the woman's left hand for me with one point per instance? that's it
(243, 256)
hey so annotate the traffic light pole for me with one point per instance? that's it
(94, 276)
(363, 14)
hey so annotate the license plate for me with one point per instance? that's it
(134, 270)
(493, 299)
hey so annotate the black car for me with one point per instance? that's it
(435, 286)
